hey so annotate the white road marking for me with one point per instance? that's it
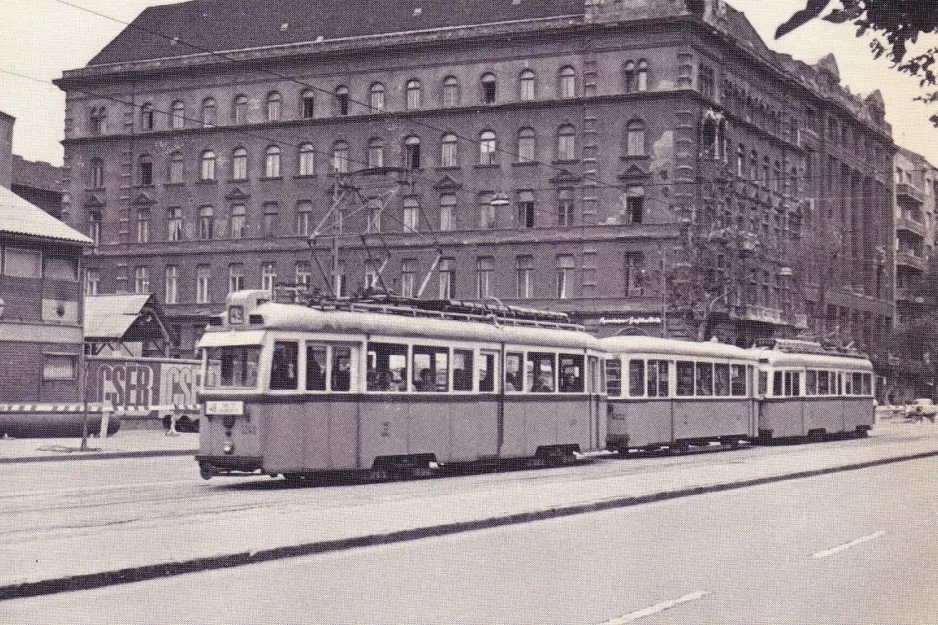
(657, 608)
(845, 546)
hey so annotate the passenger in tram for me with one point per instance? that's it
(511, 381)
(426, 382)
(315, 375)
(544, 383)
(462, 380)
(342, 377)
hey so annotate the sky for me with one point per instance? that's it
(43, 38)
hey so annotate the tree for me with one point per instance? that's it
(895, 24)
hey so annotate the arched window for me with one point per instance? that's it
(97, 173)
(341, 100)
(447, 212)
(411, 217)
(206, 223)
(635, 132)
(238, 221)
(566, 143)
(708, 137)
(413, 95)
(308, 103)
(567, 83)
(239, 109)
(489, 88)
(145, 171)
(176, 173)
(753, 166)
(641, 78)
(146, 116)
(98, 120)
(376, 97)
(273, 106)
(527, 145)
(177, 115)
(239, 164)
(412, 152)
(307, 162)
(376, 152)
(449, 155)
(272, 162)
(487, 148)
(451, 95)
(765, 171)
(628, 77)
(741, 160)
(209, 112)
(340, 157)
(207, 166)
(526, 86)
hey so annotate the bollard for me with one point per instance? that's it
(172, 425)
(105, 420)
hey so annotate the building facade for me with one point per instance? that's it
(647, 166)
(39, 183)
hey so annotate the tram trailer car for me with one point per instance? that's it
(667, 393)
(806, 391)
(296, 391)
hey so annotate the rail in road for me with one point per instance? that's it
(132, 525)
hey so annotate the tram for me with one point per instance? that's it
(807, 391)
(667, 393)
(393, 386)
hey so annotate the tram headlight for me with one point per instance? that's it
(228, 447)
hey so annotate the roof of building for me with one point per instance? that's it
(36, 174)
(123, 317)
(17, 216)
(225, 25)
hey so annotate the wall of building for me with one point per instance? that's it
(6, 149)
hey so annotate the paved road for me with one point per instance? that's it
(855, 547)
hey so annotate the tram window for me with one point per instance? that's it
(721, 380)
(777, 384)
(236, 366)
(867, 384)
(341, 369)
(462, 369)
(738, 380)
(636, 378)
(685, 378)
(315, 367)
(283, 366)
(848, 387)
(571, 373)
(387, 367)
(431, 369)
(823, 383)
(513, 371)
(658, 378)
(840, 384)
(763, 383)
(487, 368)
(540, 373)
(704, 379)
(792, 384)
(613, 377)
(810, 379)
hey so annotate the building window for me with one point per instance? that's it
(489, 87)
(372, 275)
(98, 120)
(176, 172)
(146, 117)
(449, 151)
(741, 161)
(451, 96)
(239, 164)
(485, 265)
(307, 161)
(705, 81)
(145, 171)
(308, 103)
(271, 219)
(203, 284)
(641, 76)
(525, 273)
(206, 223)
(207, 166)
(174, 223)
(628, 76)
(304, 212)
(94, 227)
(635, 204)
(235, 277)
(635, 135)
(209, 113)
(565, 266)
(413, 95)
(487, 147)
(340, 157)
(273, 106)
(447, 212)
(411, 219)
(526, 211)
(566, 143)
(486, 212)
(177, 116)
(340, 281)
(341, 100)
(373, 215)
(375, 152)
(238, 221)
(97, 173)
(634, 270)
(302, 273)
(92, 281)
(412, 152)
(447, 271)
(566, 87)
(526, 86)
(565, 207)
(171, 284)
(408, 277)
(141, 280)
(59, 366)
(239, 109)
(268, 276)
(143, 225)
(527, 145)
(376, 97)
(272, 162)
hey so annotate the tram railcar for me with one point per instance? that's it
(390, 389)
(808, 391)
(667, 393)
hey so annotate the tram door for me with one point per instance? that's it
(594, 378)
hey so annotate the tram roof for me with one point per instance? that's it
(658, 345)
(293, 317)
(825, 361)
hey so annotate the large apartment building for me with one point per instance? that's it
(644, 165)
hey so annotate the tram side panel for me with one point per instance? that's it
(712, 419)
(640, 423)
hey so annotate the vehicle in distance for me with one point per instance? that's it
(922, 408)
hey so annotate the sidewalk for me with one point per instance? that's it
(124, 444)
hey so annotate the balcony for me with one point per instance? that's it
(764, 314)
(906, 190)
(910, 260)
(905, 223)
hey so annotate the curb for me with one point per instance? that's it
(104, 455)
(169, 569)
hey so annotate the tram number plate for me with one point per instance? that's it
(224, 407)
